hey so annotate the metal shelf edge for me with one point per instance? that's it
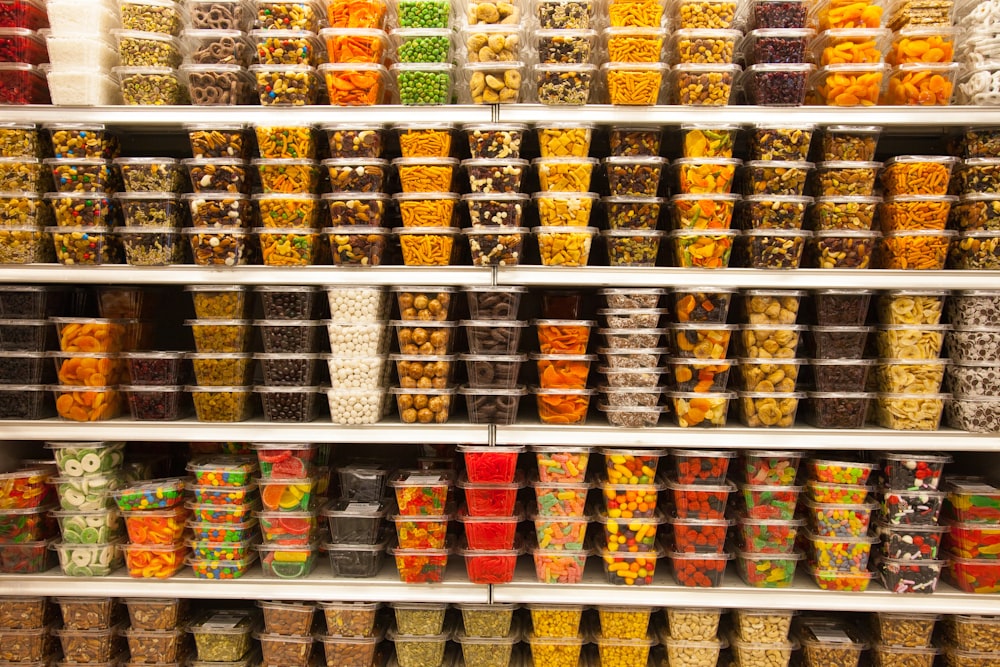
(248, 275)
(736, 278)
(177, 116)
(385, 587)
(738, 437)
(190, 430)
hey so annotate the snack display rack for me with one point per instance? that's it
(455, 588)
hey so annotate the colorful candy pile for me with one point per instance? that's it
(839, 546)
(89, 520)
(560, 519)
(291, 483)
(973, 535)
(223, 529)
(768, 523)
(422, 502)
(356, 520)
(26, 498)
(700, 493)
(155, 518)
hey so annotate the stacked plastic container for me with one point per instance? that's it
(973, 527)
(700, 491)
(222, 363)
(768, 527)
(774, 182)
(843, 215)
(421, 632)
(89, 472)
(24, 336)
(223, 529)
(839, 562)
(762, 634)
(493, 362)
(632, 370)
(21, 80)
(224, 636)
(851, 69)
(357, 362)
(89, 367)
(91, 629)
(422, 496)
(914, 236)
(910, 372)
(356, 520)
(690, 634)
(218, 52)
(156, 632)
(976, 25)
(289, 207)
(977, 181)
(776, 50)
(219, 220)
(490, 484)
(769, 367)
(840, 372)
(629, 518)
(427, 203)
(23, 180)
(151, 210)
(287, 637)
(155, 519)
(289, 486)
(150, 52)
(904, 636)
(351, 630)
(498, 75)
(562, 396)
(424, 75)
(285, 37)
(426, 333)
(560, 518)
(565, 45)
(84, 184)
(557, 634)
(633, 210)
(703, 202)
(356, 224)
(290, 338)
(700, 371)
(908, 522)
(921, 55)
(496, 204)
(823, 638)
(564, 233)
(80, 55)
(488, 632)
(26, 630)
(24, 524)
(971, 372)
(634, 171)
(634, 41)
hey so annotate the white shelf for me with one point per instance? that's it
(174, 117)
(603, 276)
(928, 118)
(734, 594)
(740, 437)
(248, 275)
(256, 430)
(320, 585)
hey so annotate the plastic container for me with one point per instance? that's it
(355, 561)
(699, 570)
